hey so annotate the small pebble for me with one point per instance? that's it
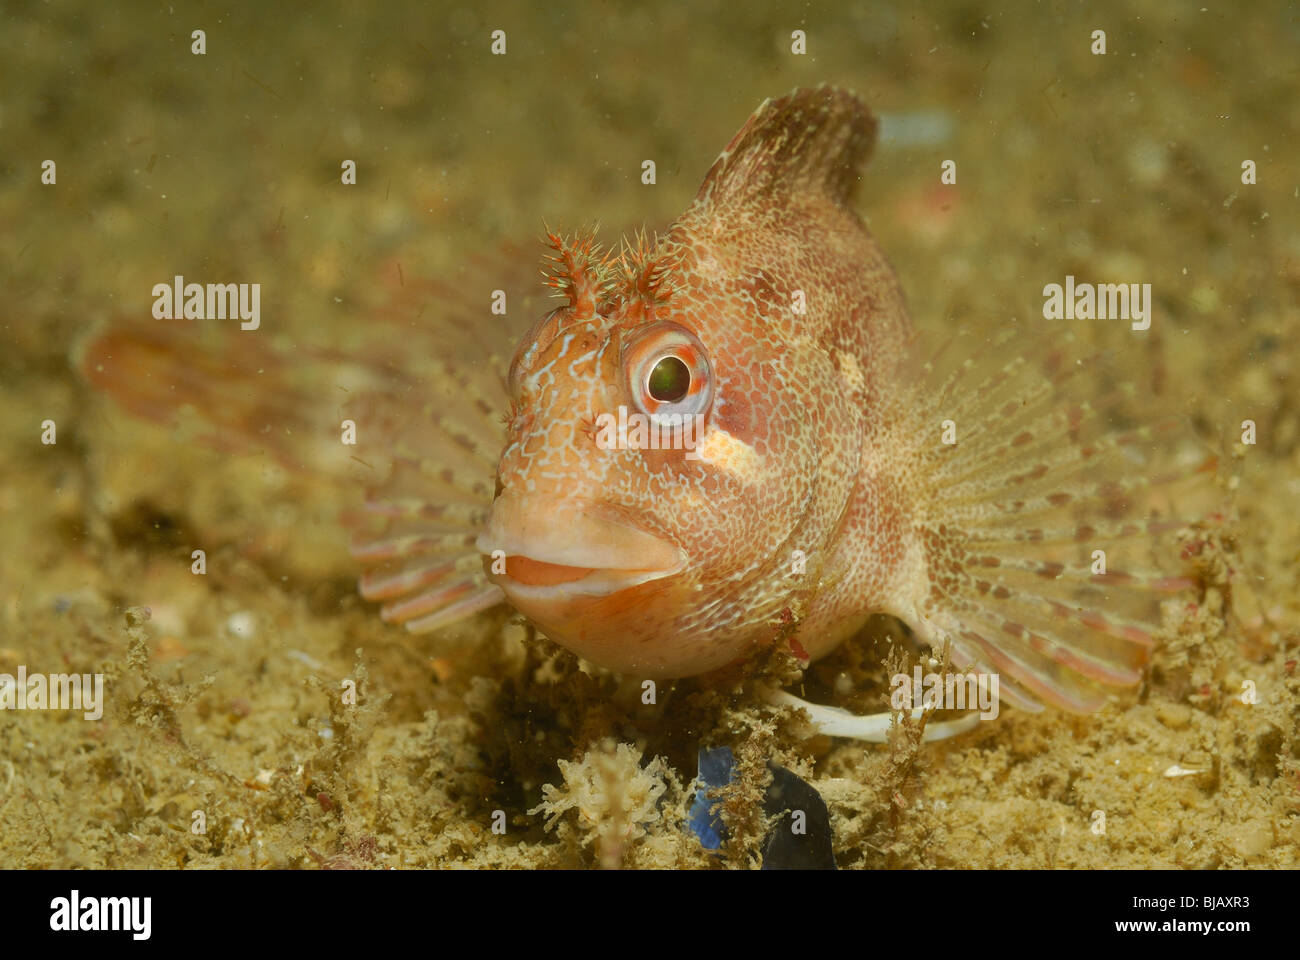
(1175, 716)
(1250, 839)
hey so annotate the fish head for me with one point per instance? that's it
(665, 467)
(680, 438)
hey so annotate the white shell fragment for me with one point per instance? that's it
(873, 728)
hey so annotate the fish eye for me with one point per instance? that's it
(669, 380)
(667, 370)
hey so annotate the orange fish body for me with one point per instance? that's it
(820, 487)
(791, 311)
(732, 429)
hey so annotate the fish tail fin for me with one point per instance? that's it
(1048, 530)
(230, 391)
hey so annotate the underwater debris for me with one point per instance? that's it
(616, 799)
(801, 842)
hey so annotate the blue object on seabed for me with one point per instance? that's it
(716, 768)
(783, 848)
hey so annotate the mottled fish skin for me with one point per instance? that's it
(821, 490)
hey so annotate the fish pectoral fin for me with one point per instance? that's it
(420, 557)
(1051, 537)
(430, 410)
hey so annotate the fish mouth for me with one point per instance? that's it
(555, 551)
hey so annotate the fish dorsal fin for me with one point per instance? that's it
(811, 141)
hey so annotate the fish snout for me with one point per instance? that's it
(541, 551)
(598, 583)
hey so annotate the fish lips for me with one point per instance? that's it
(559, 551)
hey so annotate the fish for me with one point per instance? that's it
(821, 488)
(730, 434)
